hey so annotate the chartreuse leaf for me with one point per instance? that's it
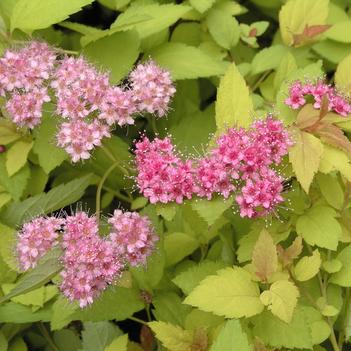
(223, 27)
(286, 66)
(318, 226)
(28, 15)
(120, 344)
(343, 276)
(295, 15)
(264, 256)
(186, 62)
(50, 156)
(8, 132)
(237, 297)
(305, 156)
(103, 52)
(189, 279)
(343, 74)
(97, 336)
(177, 246)
(307, 267)
(210, 211)
(16, 156)
(332, 266)
(278, 334)
(231, 338)
(335, 160)
(172, 337)
(281, 299)
(202, 5)
(56, 198)
(158, 17)
(48, 266)
(338, 30)
(234, 105)
(331, 189)
(268, 59)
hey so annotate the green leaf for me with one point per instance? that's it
(28, 15)
(264, 256)
(190, 278)
(55, 199)
(97, 336)
(295, 15)
(268, 59)
(332, 266)
(16, 184)
(286, 66)
(177, 246)
(237, 297)
(318, 226)
(103, 52)
(231, 338)
(120, 344)
(211, 210)
(8, 132)
(278, 334)
(167, 211)
(202, 5)
(3, 342)
(223, 27)
(186, 62)
(16, 156)
(331, 190)
(335, 160)
(158, 17)
(172, 337)
(343, 276)
(343, 74)
(67, 340)
(18, 345)
(50, 156)
(332, 51)
(233, 106)
(305, 157)
(308, 266)
(281, 299)
(48, 266)
(338, 30)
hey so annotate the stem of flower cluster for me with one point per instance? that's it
(138, 320)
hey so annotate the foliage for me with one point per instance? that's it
(216, 281)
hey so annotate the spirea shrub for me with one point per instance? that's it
(175, 175)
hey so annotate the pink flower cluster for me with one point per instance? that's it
(83, 96)
(241, 162)
(90, 262)
(299, 93)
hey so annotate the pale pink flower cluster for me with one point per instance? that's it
(84, 96)
(300, 92)
(241, 162)
(36, 238)
(152, 88)
(90, 263)
(132, 236)
(24, 76)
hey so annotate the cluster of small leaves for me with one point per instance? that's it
(216, 281)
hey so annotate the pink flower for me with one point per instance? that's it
(152, 88)
(36, 238)
(132, 236)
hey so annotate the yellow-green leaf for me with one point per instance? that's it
(343, 276)
(172, 337)
(264, 256)
(16, 156)
(8, 132)
(233, 105)
(281, 299)
(295, 15)
(308, 266)
(118, 344)
(305, 157)
(230, 293)
(343, 75)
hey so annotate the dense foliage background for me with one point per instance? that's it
(291, 293)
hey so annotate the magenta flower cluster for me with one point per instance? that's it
(241, 162)
(300, 92)
(86, 101)
(90, 263)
